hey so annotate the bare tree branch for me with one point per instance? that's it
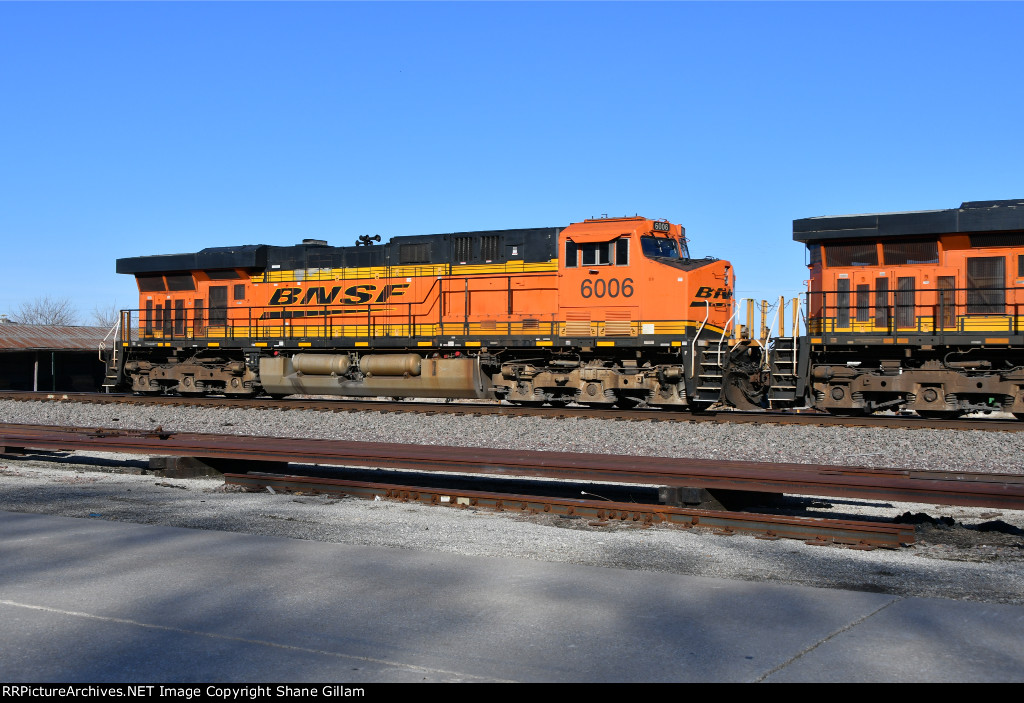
(46, 311)
(105, 315)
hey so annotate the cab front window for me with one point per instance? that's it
(659, 247)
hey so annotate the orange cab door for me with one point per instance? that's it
(941, 299)
(863, 283)
(598, 290)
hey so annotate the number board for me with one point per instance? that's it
(612, 288)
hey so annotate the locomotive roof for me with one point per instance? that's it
(247, 256)
(538, 244)
(977, 216)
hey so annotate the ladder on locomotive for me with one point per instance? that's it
(709, 378)
(782, 364)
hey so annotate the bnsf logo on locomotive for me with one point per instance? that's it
(354, 295)
(709, 292)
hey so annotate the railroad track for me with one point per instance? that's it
(818, 531)
(942, 487)
(229, 453)
(488, 408)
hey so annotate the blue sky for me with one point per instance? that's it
(152, 128)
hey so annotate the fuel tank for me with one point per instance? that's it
(392, 375)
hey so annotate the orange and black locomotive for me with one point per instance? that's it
(904, 311)
(604, 311)
(915, 311)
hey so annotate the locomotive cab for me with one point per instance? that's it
(917, 311)
(632, 270)
(631, 281)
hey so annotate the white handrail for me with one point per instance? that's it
(103, 342)
(796, 330)
(725, 331)
(693, 347)
(768, 334)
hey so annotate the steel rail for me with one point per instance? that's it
(812, 418)
(949, 488)
(818, 531)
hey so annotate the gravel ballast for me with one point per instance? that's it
(955, 450)
(959, 561)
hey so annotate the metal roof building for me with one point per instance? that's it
(51, 358)
(14, 336)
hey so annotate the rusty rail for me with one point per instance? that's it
(950, 488)
(817, 531)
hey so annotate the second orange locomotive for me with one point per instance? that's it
(603, 311)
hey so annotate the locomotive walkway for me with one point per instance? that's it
(95, 601)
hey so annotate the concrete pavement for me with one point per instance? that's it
(87, 600)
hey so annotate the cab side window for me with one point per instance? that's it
(622, 251)
(571, 254)
(595, 253)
